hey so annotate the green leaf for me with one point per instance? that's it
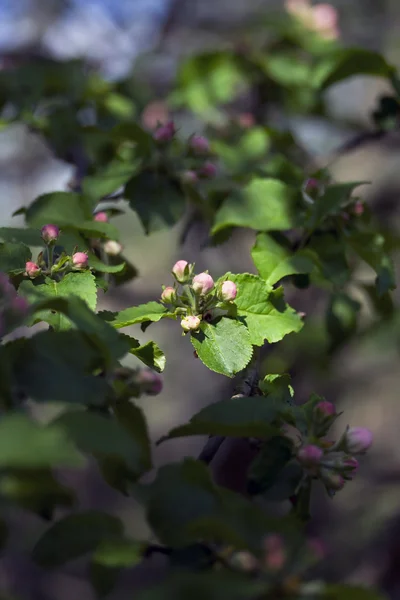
(28, 445)
(344, 63)
(108, 180)
(224, 346)
(96, 264)
(268, 464)
(57, 208)
(74, 536)
(152, 311)
(371, 247)
(150, 354)
(350, 592)
(334, 199)
(13, 257)
(234, 417)
(264, 313)
(341, 319)
(278, 388)
(108, 560)
(30, 237)
(158, 200)
(263, 204)
(82, 285)
(131, 418)
(105, 436)
(274, 262)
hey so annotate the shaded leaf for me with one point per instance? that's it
(152, 311)
(13, 257)
(268, 464)
(274, 262)
(150, 354)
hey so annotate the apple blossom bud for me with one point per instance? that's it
(80, 260)
(357, 440)
(190, 323)
(333, 481)
(202, 284)
(101, 217)
(181, 271)
(246, 120)
(165, 133)
(50, 233)
(358, 209)
(310, 455)
(350, 465)
(311, 190)
(112, 248)
(228, 291)
(32, 269)
(189, 177)
(199, 145)
(150, 382)
(169, 295)
(275, 555)
(208, 170)
(325, 409)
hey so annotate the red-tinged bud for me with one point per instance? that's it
(112, 248)
(150, 382)
(190, 323)
(350, 465)
(359, 209)
(165, 133)
(246, 120)
(333, 481)
(169, 295)
(275, 555)
(312, 189)
(208, 170)
(181, 271)
(80, 260)
(228, 291)
(189, 177)
(202, 284)
(357, 440)
(310, 455)
(325, 409)
(101, 217)
(199, 145)
(32, 269)
(50, 233)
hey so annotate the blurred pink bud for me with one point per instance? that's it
(332, 480)
(275, 556)
(190, 323)
(20, 306)
(317, 547)
(80, 260)
(228, 291)
(208, 170)
(156, 112)
(357, 440)
(50, 233)
(189, 177)
(101, 217)
(150, 382)
(32, 269)
(181, 270)
(165, 133)
(351, 464)
(169, 295)
(202, 284)
(325, 409)
(112, 248)
(325, 17)
(359, 208)
(199, 144)
(310, 455)
(246, 120)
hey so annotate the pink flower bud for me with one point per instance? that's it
(357, 440)
(199, 145)
(325, 409)
(80, 260)
(169, 295)
(333, 481)
(359, 209)
(165, 133)
(189, 177)
(246, 120)
(228, 291)
(150, 382)
(101, 217)
(32, 269)
(50, 233)
(310, 455)
(275, 555)
(208, 170)
(312, 189)
(202, 284)
(325, 18)
(181, 271)
(112, 248)
(350, 464)
(190, 323)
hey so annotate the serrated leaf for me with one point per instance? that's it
(224, 346)
(13, 257)
(28, 445)
(158, 201)
(74, 536)
(263, 204)
(274, 262)
(152, 311)
(234, 417)
(81, 285)
(150, 354)
(344, 63)
(263, 311)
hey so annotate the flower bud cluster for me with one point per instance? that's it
(197, 297)
(332, 462)
(13, 308)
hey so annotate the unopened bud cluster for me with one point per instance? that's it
(13, 308)
(196, 297)
(332, 462)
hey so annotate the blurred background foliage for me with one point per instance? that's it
(242, 73)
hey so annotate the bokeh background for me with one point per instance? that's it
(145, 40)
